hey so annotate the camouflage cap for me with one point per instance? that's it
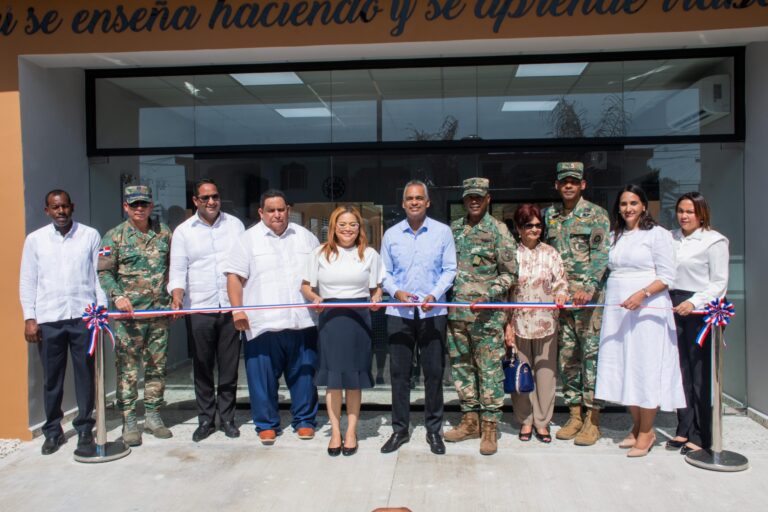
(136, 193)
(475, 186)
(570, 170)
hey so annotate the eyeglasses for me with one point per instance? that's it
(213, 197)
(139, 204)
(532, 225)
(344, 225)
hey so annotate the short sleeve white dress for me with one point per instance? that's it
(637, 363)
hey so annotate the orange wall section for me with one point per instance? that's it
(14, 412)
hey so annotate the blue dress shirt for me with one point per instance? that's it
(422, 263)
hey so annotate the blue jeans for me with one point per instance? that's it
(272, 354)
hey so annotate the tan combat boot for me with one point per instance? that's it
(469, 428)
(153, 423)
(488, 441)
(573, 426)
(131, 432)
(590, 432)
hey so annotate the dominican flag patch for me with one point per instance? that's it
(105, 251)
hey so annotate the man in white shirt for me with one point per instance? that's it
(200, 247)
(265, 266)
(58, 280)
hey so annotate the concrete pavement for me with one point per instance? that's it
(294, 475)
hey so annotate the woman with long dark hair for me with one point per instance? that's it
(344, 269)
(702, 276)
(637, 364)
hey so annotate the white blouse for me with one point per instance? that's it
(345, 276)
(702, 265)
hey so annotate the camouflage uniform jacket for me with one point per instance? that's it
(135, 264)
(487, 264)
(582, 239)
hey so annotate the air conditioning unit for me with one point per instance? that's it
(705, 101)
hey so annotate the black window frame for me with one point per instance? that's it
(737, 53)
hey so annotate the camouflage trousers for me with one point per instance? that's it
(475, 350)
(138, 340)
(578, 343)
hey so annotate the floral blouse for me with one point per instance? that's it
(541, 278)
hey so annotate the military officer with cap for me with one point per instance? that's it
(579, 231)
(133, 271)
(487, 269)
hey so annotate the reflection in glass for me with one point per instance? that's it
(492, 102)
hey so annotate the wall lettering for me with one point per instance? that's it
(168, 16)
(48, 23)
(7, 23)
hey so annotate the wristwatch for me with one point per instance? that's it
(646, 292)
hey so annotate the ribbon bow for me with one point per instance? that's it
(97, 319)
(718, 312)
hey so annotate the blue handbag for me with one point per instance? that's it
(518, 376)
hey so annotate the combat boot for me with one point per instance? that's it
(488, 444)
(468, 428)
(153, 423)
(573, 426)
(131, 432)
(590, 432)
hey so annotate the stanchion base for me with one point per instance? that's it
(102, 453)
(717, 461)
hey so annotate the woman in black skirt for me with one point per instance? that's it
(702, 276)
(344, 269)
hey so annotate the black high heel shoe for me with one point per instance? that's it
(674, 445)
(334, 452)
(349, 451)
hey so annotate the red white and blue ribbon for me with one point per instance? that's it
(718, 313)
(97, 320)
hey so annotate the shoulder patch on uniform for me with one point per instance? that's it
(598, 235)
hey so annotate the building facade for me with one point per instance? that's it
(344, 101)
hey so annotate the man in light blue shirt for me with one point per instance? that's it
(420, 260)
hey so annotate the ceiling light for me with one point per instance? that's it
(287, 78)
(304, 112)
(653, 71)
(561, 69)
(528, 106)
(191, 89)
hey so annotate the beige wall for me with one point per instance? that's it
(13, 349)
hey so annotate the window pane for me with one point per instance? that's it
(145, 112)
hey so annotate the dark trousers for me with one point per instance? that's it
(57, 338)
(214, 342)
(272, 354)
(404, 336)
(695, 421)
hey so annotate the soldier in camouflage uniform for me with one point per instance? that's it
(487, 269)
(133, 271)
(579, 231)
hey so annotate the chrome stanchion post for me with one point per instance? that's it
(102, 451)
(717, 459)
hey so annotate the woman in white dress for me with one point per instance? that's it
(637, 363)
(344, 269)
